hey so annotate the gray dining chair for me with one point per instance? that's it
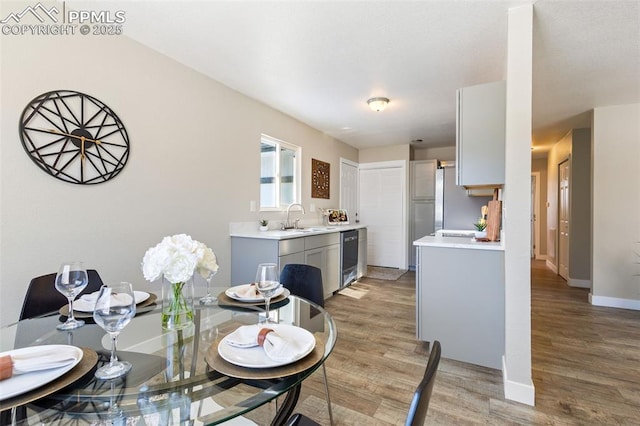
(422, 395)
(306, 281)
(43, 298)
(419, 404)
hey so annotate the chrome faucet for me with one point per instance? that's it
(287, 224)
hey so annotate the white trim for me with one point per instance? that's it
(574, 282)
(384, 165)
(614, 302)
(357, 166)
(515, 391)
(297, 179)
(551, 266)
(349, 162)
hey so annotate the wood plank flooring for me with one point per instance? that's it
(586, 363)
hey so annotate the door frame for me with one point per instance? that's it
(344, 161)
(567, 162)
(535, 211)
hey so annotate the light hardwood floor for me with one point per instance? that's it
(586, 363)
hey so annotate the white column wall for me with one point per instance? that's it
(518, 385)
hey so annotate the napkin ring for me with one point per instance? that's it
(262, 335)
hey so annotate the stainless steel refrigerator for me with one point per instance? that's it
(454, 208)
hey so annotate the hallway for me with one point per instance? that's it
(586, 363)
(586, 359)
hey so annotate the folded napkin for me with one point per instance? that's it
(277, 346)
(117, 299)
(90, 297)
(249, 291)
(43, 358)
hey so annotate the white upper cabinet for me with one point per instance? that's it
(480, 134)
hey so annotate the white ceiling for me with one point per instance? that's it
(319, 61)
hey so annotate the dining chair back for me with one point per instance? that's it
(301, 420)
(306, 281)
(42, 296)
(303, 281)
(422, 395)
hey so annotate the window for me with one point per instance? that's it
(279, 173)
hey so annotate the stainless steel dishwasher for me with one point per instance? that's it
(348, 257)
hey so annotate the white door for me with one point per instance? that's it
(535, 212)
(349, 189)
(382, 210)
(563, 219)
(533, 217)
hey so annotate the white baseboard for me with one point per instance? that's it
(515, 391)
(574, 282)
(551, 266)
(541, 257)
(614, 302)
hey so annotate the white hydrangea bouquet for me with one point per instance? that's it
(176, 259)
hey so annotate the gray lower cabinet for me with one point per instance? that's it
(322, 251)
(290, 251)
(460, 302)
(362, 252)
(327, 259)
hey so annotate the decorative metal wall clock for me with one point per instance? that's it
(74, 137)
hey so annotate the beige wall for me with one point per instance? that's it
(616, 206)
(385, 153)
(444, 153)
(580, 210)
(193, 167)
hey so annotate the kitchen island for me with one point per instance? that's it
(460, 297)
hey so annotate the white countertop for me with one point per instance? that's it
(458, 242)
(277, 234)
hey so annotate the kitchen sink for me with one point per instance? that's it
(311, 229)
(455, 233)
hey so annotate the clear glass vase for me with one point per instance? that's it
(177, 304)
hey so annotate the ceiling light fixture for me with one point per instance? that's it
(378, 104)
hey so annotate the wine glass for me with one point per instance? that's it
(70, 281)
(208, 299)
(114, 309)
(267, 283)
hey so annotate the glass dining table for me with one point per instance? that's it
(178, 377)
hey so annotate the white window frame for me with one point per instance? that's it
(297, 178)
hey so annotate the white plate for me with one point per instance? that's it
(82, 305)
(255, 357)
(231, 292)
(22, 383)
